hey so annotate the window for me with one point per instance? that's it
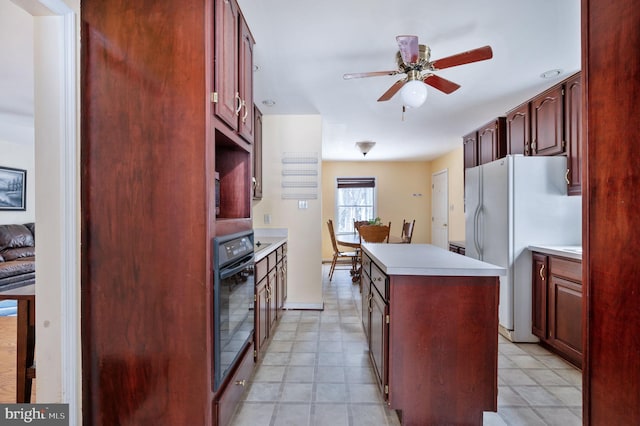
(355, 200)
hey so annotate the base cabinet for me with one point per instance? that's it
(270, 295)
(228, 397)
(557, 305)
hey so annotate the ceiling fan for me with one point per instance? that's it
(414, 60)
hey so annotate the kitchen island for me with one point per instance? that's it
(431, 320)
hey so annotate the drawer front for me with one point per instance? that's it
(566, 268)
(366, 265)
(228, 398)
(379, 281)
(272, 260)
(261, 270)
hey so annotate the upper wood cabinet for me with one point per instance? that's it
(519, 130)
(226, 93)
(245, 82)
(492, 142)
(486, 144)
(547, 122)
(257, 155)
(470, 144)
(573, 132)
(233, 64)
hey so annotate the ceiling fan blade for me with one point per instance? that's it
(392, 90)
(441, 84)
(408, 46)
(475, 55)
(368, 74)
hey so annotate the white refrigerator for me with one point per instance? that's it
(512, 203)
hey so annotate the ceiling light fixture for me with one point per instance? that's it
(414, 92)
(365, 146)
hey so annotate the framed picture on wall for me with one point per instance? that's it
(13, 189)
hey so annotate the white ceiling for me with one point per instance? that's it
(304, 47)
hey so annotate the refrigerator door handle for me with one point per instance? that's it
(476, 219)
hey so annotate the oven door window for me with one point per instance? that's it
(235, 296)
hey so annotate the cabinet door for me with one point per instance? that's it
(491, 141)
(257, 155)
(547, 123)
(282, 285)
(518, 130)
(366, 305)
(565, 317)
(573, 132)
(261, 318)
(245, 82)
(470, 146)
(539, 297)
(272, 290)
(378, 346)
(226, 62)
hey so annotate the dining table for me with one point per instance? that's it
(352, 240)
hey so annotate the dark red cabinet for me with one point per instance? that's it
(557, 305)
(547, 122)
(573, 132)
(518, 130)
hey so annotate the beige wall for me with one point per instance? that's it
(453, 163)
(396, 184)
(293, 133)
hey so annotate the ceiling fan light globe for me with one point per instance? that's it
(414, 93)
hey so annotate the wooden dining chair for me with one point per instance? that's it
(375, 233)
(358, 223)
(407, 231)
(340, 257)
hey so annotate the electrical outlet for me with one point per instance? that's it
(267, 219)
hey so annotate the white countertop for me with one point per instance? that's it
(571, 252)
(429, 260)
(269, 239)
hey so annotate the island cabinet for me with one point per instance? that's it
(557, 305)
(432, 332)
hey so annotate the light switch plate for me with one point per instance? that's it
(302, 204)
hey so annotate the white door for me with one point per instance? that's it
(440, 209)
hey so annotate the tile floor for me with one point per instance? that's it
(316, 371)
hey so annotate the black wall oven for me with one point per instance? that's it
(233, 301)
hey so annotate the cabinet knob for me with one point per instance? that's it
(542, 272)
(566, 177)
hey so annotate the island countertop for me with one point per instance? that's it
(427, 260)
